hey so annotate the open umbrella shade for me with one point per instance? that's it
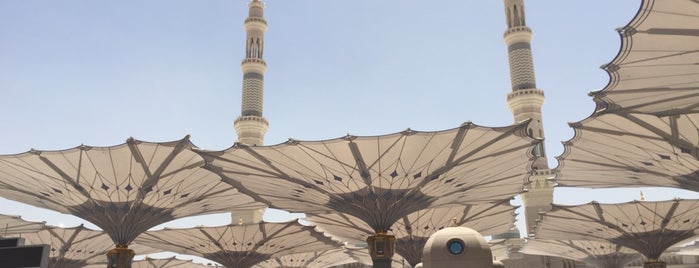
(380, 179)
(171, 262)
(647, 227)
(240, 246)
(10, 225)
(656, 69)
(124, 189)
(643, 132)
(670, 260)
(413, 230)
(595, 253)
(363, 258)
(77, 246)
(632, 150)
(317, 259)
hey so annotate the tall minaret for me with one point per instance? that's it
(525, 102)
(251, 125)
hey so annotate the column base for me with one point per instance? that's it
(381, 249)
(120, 257)
(654, 264)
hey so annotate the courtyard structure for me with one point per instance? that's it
(595, 253)
(240, 246)
(413, 230)
(647, 227)
(124, 189)
(11, 225)
(76, 247)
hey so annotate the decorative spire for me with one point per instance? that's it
(251, 126)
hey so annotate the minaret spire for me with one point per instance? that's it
(525, 102)
(251, 126)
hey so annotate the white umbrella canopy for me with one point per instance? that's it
(656, 69)
(595, 253)
(171, 262)
(644, 129)
(77, 246)
(237, 246)
(317, 259)
(647, 227)
(11, 225)
(379, 179)
(124, 189)
(632, 150)
(413, 230)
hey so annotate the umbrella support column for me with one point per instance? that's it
(120, 257)
(381, 249)
(653, 263)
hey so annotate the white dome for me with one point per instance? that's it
(457, 247)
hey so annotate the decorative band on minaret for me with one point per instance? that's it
(251, 126)
(525, 102)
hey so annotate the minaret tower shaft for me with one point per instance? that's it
(251, 126)
(525, 102)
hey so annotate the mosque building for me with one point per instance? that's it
(525, 101)
(291, 181)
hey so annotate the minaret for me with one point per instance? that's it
(251, 125)
(525, 102)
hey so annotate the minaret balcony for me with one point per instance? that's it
(256, 19)
(254, 61)
(518, 29)
(253, 65)
(518, 34)
(251, 118)
(526, 92)
(255, 24)
(526, 102)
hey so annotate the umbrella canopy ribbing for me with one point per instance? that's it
(632, 150)
(317, 259)
(240, 246)
(643, 131)
(413, 230)
(124, 189)
(655, 71)
(647, 227)
(595, 253)
(77, 246)
(171, 262)
(11, 225)
(380, 179)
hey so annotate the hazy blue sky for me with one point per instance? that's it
(97, 72)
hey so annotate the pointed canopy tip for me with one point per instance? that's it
(84, 147)
(408, 132)
(349, 137)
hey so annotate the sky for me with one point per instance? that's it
(98, 72)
